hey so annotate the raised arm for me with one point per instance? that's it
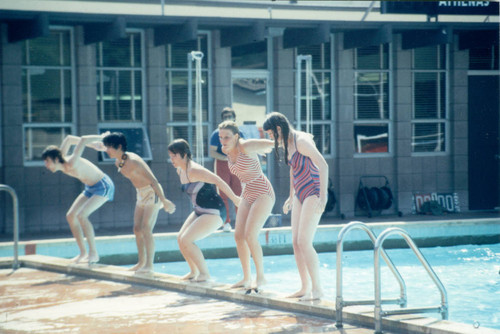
(81, 143)
(66, 144)
(258, 146)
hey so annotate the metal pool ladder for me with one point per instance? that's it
(12, 192)
(443, 308)
(339, 302)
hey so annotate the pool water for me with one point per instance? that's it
(470, 274)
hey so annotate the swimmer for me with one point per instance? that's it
(98, 190)
(150, 198)
(209, 209)
(307, 200)
(257, 198)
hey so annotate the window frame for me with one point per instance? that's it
(446, 119)
(390, 112)
(190, 123)
(71, 125)
(324, 122)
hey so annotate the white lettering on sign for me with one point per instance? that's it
(449, 201)
(464, 3)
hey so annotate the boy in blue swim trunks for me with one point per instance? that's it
(98, 189)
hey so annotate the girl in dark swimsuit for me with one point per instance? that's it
(209, 210)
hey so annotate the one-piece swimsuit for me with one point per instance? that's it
(205, 199)
(253, 181)
(305, 175)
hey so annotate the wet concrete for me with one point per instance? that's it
(37, 301)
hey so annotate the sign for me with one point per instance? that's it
(449, 201)
(434, 8)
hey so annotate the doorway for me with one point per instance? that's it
(483, 142)
(251, 101)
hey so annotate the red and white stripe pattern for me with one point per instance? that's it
(254, 182)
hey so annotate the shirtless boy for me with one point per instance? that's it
(150, 197)
(98, 190)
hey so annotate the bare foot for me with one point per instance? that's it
(298, 294)
(189, 276)
(201, 278)
(79, 258)
(93, 258)
(260, 281)
(144, 271)
(242, 284)
(138, 266)
(314, 295)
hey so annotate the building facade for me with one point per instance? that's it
(400, 97)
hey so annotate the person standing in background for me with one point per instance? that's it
(221, 167)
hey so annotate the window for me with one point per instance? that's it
(372, 117)
(321, 104)
(429, 118)
(182, 121)
(48, 92)
(120, 90)
(483, 58)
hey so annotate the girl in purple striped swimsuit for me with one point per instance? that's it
(308, 197)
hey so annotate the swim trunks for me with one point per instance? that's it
(205, 199)
(254, 182)
(146, 196)
(305, 175)
(105, 188)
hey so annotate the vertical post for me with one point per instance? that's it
(298, 91)
(196, 56)
(15, 205)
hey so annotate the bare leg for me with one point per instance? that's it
(308, 224)
(92, 204)
(241, 245)
(301, 266)
(200, 228)
(139, 238)
(193, 269)
(257, 215)
(74, 225)
(150, 214)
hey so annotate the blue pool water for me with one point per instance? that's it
(470, 274)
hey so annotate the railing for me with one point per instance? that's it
(339, 302)
(15, 202)
(443, 308)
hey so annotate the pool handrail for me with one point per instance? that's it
(378, 313)
(339, 302)
(15, 204)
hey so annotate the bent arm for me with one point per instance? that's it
(204, 175)
(216, 155)
(68, 141)
(81, 143)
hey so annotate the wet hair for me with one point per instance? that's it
(274, 120)
(229, 125)
(53, 152)
(228, 110)
(115, 140)
(181, 147)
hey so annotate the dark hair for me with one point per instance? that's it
(53, 152)
(180, 146)
(228, 110)
(274, 120)
(230, 125)
(115, 140)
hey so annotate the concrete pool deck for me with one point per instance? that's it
(78, 291)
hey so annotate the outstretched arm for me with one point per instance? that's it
(258, 146)
(68, 141)
(81, 143)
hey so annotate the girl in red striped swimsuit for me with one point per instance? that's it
(257, 198)
(308, 197)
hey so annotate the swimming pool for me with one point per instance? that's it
(470, 274)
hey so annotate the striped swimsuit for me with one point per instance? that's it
(253, 181)
(305, 175)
